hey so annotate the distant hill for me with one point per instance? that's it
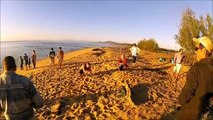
(115, 43)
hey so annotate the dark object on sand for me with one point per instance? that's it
(97, 49)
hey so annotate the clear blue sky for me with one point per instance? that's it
(122, 21)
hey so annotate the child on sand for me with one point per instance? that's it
(122, 62)
(86, 68)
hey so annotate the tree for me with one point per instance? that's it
(148, 44)
(189, 29)
(209, 26)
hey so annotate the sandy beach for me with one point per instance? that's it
(145, 90)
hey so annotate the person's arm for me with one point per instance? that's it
(190, 86)
(49, 55)
(131, 49)
(138, 49)
(34, 95)
(175, 58)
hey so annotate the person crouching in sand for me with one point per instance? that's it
(122, 62)
(86, 68)
(60, 56)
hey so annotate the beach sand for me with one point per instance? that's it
(145, 90)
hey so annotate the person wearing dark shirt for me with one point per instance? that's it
(26, 60)
(52, 57)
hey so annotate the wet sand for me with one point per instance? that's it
(145, 90)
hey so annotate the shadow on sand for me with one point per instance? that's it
(140, 93)
(169, 116)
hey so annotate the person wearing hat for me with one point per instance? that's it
(134, 51)
(18, 95)
(199, 82)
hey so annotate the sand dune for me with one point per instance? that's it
(145, 90)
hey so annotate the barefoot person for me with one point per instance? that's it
(60, 56)
(21, 63)
(86, 68)
(178, 61)
(34, 59)
(26, 61)
(18, 95)
(134, 51)
(122, 62)
(52, 57)
(199, 85)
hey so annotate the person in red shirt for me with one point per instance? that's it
(122, 62)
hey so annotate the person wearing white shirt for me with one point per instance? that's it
(134, 51)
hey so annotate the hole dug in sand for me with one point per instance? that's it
(139, 93)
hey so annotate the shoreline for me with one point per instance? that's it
(43, 63)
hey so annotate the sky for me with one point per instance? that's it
(120, 21)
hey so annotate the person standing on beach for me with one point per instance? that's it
(29, 63)
(26, 60)
(134, 51)
(34, 59)
(18, 95)
(52, 57)
(178, 59)
(60, 56)
(21, 63)
(197, 93)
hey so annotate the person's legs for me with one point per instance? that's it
(59, 63)
(134, 59)
(26, 65)
(178, 69)
(34, 63)
(51, 61)
(121, 67)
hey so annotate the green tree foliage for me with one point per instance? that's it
(191, 27)
(206, 26)
(149, 44)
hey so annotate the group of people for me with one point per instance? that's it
(122, 61)
(25, 60)
(59, 56)
(18, 95)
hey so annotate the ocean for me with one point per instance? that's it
(42, 48)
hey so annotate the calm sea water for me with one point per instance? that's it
(42, 48)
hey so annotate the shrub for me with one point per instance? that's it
(149, 44)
